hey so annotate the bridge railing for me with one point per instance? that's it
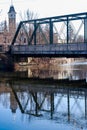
(50, 49)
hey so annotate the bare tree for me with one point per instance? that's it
(28, 15)
(26, 29)
(80, 38)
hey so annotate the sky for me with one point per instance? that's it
(44, 8)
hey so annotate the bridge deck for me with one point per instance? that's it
(51, 50)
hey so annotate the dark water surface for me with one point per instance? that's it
(33, 104)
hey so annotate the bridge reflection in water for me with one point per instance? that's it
(57, 102)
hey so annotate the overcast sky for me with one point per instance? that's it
(44, 8)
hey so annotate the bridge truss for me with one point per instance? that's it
(65, 28)
(46, 34)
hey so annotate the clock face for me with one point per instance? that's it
(11, 15)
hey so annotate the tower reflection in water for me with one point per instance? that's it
(57, 102)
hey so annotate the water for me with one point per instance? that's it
(33, 104)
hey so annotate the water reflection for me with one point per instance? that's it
(65, 71)
(66, 104)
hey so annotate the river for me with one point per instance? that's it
(53, 98)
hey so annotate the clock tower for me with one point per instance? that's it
(12, 20)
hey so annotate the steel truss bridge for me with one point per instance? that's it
(59, 36)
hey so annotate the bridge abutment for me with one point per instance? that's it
(6, 62)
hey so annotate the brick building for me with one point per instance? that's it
(7, 32)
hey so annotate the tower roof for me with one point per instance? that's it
(11, 9)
